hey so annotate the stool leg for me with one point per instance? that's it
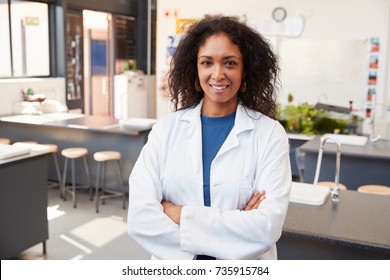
(120, 178)
(88, 177)
(63, 191)
(73, 183)
(99, 167)
(57, 168)
(104, 180)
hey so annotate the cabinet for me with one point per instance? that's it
(23, 204)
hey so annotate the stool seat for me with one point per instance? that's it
(330, 184)
(52, 147)
(74, 152)
(107, 155)
(5, 141)
(374, 189)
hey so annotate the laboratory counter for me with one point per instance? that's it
(96, 133)
(357, 227)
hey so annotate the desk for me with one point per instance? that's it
(96, 133)
(23, 203)
(360, 165)
(358, 227)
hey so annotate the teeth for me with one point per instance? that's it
(219, 87)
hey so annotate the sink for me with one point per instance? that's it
(354, 140)
(139, 123)
(308, 193)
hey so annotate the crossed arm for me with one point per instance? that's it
(174, 211)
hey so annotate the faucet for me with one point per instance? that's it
(373, 138)
(336, 189)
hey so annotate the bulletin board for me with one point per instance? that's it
(325, 71)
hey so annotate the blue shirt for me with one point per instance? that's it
(214, 132)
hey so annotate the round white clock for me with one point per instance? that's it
(279, 14)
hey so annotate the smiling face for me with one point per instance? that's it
(220, 71)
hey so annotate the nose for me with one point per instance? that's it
(218, 73)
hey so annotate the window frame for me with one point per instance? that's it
(50, 34)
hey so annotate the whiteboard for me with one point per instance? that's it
(326, 71)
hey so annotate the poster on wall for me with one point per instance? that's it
(372, 82)
(173, 40)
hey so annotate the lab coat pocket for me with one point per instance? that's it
(231, 194)
(245, 193)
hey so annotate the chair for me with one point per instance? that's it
(54, 150)
(71, 154)
(374, 189)
(5, 141)
(331, 185)
(101, 192)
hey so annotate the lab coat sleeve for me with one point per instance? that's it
(147, 223)
(236, 234)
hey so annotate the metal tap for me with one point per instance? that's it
(336, 189)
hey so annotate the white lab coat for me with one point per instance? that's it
(255, 156)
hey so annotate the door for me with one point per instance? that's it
(98, 63)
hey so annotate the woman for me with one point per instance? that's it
(197, 190)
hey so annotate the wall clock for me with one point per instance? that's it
(279, 14)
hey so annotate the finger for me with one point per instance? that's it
(254, 199)
(258, 202)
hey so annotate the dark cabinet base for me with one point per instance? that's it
(23, 205)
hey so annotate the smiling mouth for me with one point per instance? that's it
(219, 87)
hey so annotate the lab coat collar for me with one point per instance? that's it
(244, 121)
(244, 117)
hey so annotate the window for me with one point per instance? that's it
(5, 52)
(26, 52)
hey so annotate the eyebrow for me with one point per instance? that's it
(225, 57)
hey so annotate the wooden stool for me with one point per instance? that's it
(72, 154)
(5, 141)
(54, 150)
(331, 185)
(374, 189)
(102, 158)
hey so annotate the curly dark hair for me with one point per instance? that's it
(260, 64)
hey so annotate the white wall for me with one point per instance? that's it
(10, 91)
(342, 20)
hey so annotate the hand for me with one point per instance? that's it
(172, 211)
(255, 201)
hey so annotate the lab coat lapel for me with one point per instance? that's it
(242, 123)
(193, 132)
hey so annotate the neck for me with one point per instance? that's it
(218, 110)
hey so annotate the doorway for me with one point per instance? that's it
(98, 63)
(99, 46)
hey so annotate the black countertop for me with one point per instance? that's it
(358, 220)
